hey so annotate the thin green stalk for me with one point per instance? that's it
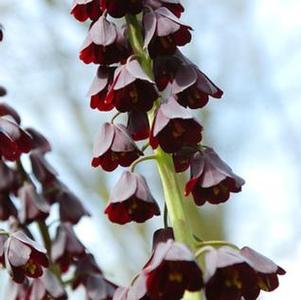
(171, 187)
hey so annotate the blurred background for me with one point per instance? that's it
(251, 49)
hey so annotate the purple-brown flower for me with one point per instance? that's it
(86, 9)
(104, 45)
(174, 127)
(164, 32)
(100, 88)
(66, 247)
(171, 271)
(233, 275)
(212, 180)
(13, 139)
(114, 147)
(24, 257)
(34, 206)
(193, 88)
(7, 207)
(47, 287)
(131, 200)
(132, 88)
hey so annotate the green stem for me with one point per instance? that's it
(171, 187)
(45, 236)
(217, 244)
(138, 161)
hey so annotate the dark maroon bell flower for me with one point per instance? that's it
(42, 170)
(13, 139)
(174, 6)
(171, 271)
(164, 32)
(132, 88)
(131, 200)
(212, 180)
(24, 257)
(34, 206)
(138, 125)
(114, 147)
(174, 127)
(100, 88)
(86, 9)
(193, 87)
(47, 287)
(66, 247)
(236, 275)
(119, 9)
(104, 45)
(70, 207)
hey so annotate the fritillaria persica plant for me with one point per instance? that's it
(141, 73)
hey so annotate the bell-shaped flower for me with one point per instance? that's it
(13, 139)
(47, 287)
(193, 88)
(171, 271)
(7, 110)
(86, 9)
(164, 32)
(66, 247)
(100, 88)
(174, 128)
(113, 147)
(234, 275)
(131, 200)
(7, 207)
(24, 257)
(34, 206)
(39, 141)
(104, 45)
(212, 180)
(132, 88)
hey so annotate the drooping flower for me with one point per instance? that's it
(104, 45)
(132, 89)
(13, 139)
(41, 169)
(9, 179)
(193, 88)
(212, 180)
(164, 32)
(171, 271)
(86, 9)
(66, 247)
(39, 141)
(34, 206)
(7, 110)
(182, 158)
(7, 207)
(100, 88)
(174, 128)
(113, 147)
(235, 275)
(24, 257)
(70, 207)
(138, 125)
(47, 287)
(131, 200)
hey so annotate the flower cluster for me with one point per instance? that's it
(38, 272)
(142, 73)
